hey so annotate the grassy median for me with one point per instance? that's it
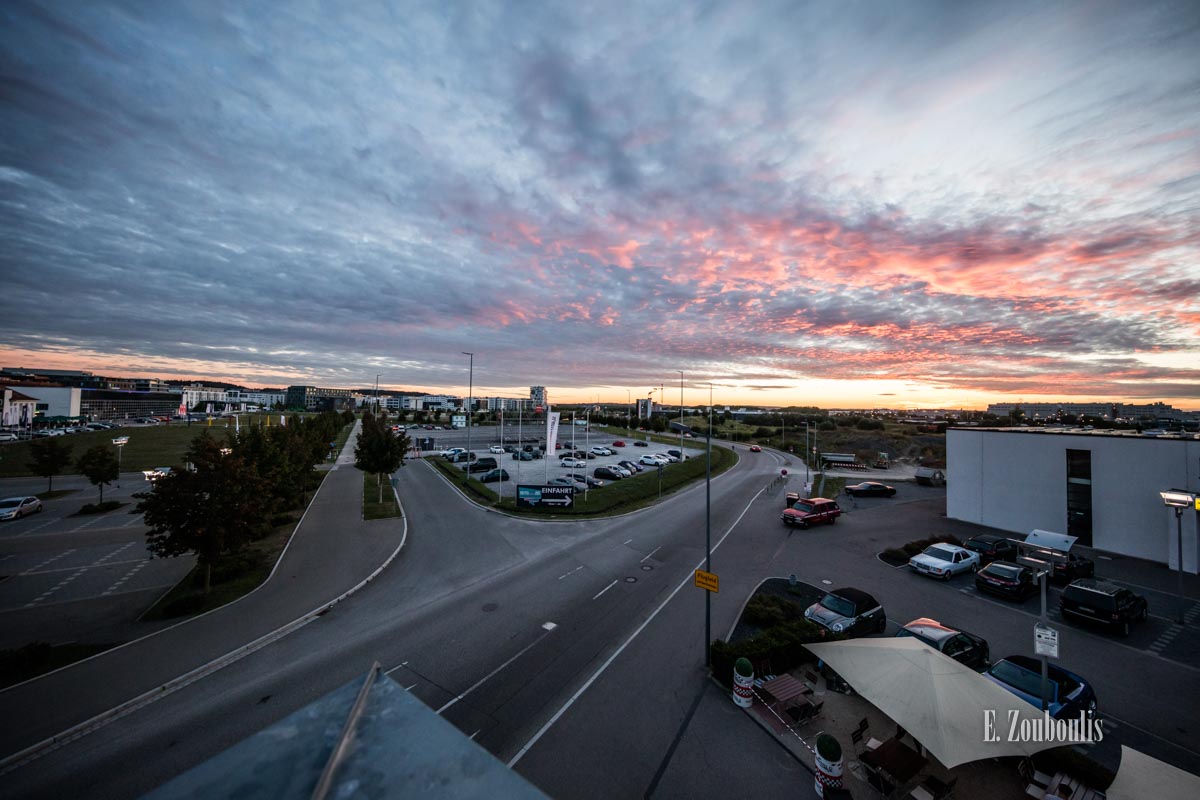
(372, 508)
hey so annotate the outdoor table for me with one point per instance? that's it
(785, 688)
(897, 759)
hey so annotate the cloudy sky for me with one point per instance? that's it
(846, 204)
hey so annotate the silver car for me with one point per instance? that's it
(17, 507)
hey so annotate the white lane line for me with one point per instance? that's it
(652, 552)
(410, 688)
(687, 581)
(572, 572)
(398, 666)
(125, 578)
(489, 676)
(476, 733)
(55, 587)
(134, 519)
(89, 566)
(627, 541)
(37, 528)
(49, 560)
(605, 589)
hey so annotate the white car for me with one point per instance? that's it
(154, 474)
(600, 450)
(496, 449)
(573, 463)
(623, 471)
(8, 437)
(17, 507)
(452, 451)
(945, 561)
(652, 460)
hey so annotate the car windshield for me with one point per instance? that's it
(10, 503)
(939, 552)
(803, 505)
(906, 632)
(838, 605)
(1022, 679)
(1003, 571)
(978, 547)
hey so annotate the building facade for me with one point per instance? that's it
(1101, 487)
(111, 404)
(538, 396)
(17, 409)
(315, 398)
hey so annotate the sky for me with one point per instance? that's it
(859, 204)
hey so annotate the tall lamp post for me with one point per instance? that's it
(708, 531)
(377, 395)
(120, 442)
(680, 413)
(1178, 500)
(470, 402)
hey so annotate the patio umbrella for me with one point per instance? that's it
(941, 703)
(1143, 776)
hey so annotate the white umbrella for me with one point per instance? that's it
(1143, 776)
(944, 705)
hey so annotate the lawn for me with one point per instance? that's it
(372, 508)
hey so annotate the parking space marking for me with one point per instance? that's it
(55, 587)
(89, 566)
(1166, 637)
(125, 578)
(134, 519)
(572, 572)
(38, 527)
(49, 560)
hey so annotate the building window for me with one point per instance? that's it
(1079, 495)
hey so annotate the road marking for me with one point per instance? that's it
(125, 578)
(605, 589)
(549, 625)
(37, 528)
(489, 676)
(408, 688)
(56, 587)
(476, 733)
(652, 552)
(89, 566)
(572, 572)
(49, 560)
(398, 666)
(687, 581)
(627, 541)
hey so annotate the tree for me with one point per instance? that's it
(211, 509)
(98, 465)
(378, 450)
(50, 458)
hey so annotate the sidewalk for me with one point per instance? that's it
(332, 552)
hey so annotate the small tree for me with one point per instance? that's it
(50, 458)
(378, 450)
(99, 465)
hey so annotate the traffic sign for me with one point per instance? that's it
(550, 495)
(707, 580)
(1045, 641)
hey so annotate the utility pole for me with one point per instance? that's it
(708, 532)
(680, 413)
(376, 395)
(470, 402)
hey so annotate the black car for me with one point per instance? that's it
(606, 472)
(677, 453)
(849, 611)
(965, 648)
(1076, 566)
(589, 480)
(1097, 600)
(631, 466)
(870, 489)
(641, 444)
(992, 548)
(1007, 580)
(521, 455)
(494, 475)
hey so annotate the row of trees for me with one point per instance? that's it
(379, 451)
(49, 457)
(231, 490)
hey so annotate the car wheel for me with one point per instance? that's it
(833, 520)
(975, 568)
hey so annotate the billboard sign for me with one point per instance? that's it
(534, 496)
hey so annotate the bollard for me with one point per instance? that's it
(828, 759)
(743, 683)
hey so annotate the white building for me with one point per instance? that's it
(195, 393)
(1102, 487)
(259, 397)
(53, 401)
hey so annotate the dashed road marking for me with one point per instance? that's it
(605, 589)
(50, 560)
(121, 581)
(1166, 637)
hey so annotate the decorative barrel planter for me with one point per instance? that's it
(743, 683)
(829, 764)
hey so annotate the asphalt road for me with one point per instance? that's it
(574, 650)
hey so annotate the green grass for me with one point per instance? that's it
(615, 497)
(235, 575)
(39, 658)
(372, 508)
(54, 495)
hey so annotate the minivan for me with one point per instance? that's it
(1100, 601)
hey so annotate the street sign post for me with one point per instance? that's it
(707, 580)
(1045, 641)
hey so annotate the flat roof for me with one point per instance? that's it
(1174, 436)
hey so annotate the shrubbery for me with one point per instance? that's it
(100, 508)
(782, 643)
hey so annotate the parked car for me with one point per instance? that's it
(1006, 579)
(631, 466)
(484, 463)
(462, 457)
(677, 454)
(640, 443)
(1076, 566)
(810, 511)
(617, 443)
(452, 451)
(1097, 600)
(601, 450)
(755, 448)
(585, 478)
(651, 460)
(965, 648)
(17, 507)
(623, 472)
(1069, 693)
(521, 455)
(157, 472)
(497, 449)
(870, 489)
(848, 610)
(992, 547)
(566, 482)
(572, 463)
(607, 472)
(944, 561)
(493, 475)
(8, 437)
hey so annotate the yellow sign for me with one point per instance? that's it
(1198, 503)
(707, 580)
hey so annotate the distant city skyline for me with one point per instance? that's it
(917, 205)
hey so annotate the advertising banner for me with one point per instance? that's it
(551, 433)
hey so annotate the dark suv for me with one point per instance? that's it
(1100, 601)
(992, 548)
(1077, 566)
(810, 511)
(965, 648)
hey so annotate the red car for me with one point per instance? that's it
(755, 448)
(617, 443)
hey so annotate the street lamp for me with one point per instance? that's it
(680, 413)
(470, 402)
(708, 531)
(1179, 500)
(376, 395)
(120, 442)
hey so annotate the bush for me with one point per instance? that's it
(765, 611)
(783, 644)
(100, 508)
